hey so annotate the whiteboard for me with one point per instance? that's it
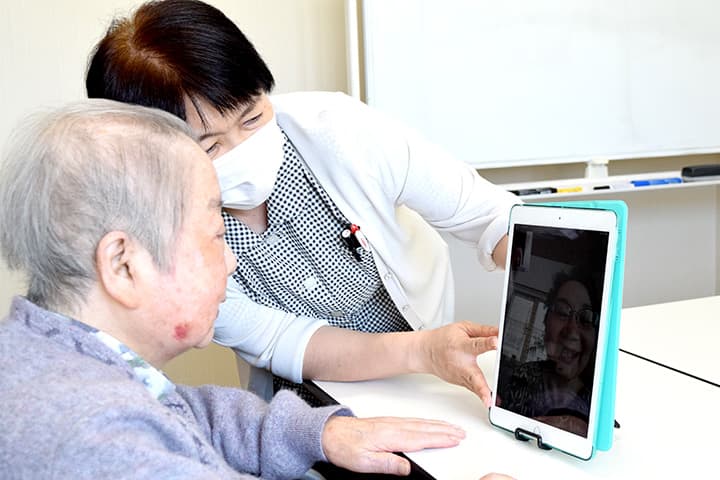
(526, 82)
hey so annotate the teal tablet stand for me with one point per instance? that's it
(608, 376)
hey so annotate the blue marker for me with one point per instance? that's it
(656, 181)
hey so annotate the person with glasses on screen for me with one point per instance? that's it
(557, 390)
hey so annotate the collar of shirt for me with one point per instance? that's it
(154, 380)
(88, 340)
(292, 187)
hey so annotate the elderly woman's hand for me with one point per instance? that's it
(367, 444)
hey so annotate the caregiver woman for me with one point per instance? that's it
(331, 209)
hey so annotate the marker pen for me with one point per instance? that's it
(656, 181)
(569, 189)
(614, 186)
(534, 191)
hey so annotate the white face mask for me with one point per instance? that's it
(247, 173)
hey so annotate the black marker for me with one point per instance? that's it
(534, 191)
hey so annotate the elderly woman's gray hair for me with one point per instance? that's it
(72, 175)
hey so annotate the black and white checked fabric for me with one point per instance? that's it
(301, 265)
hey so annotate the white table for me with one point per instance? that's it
(683, 335)
(656, 440)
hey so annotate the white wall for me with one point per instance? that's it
(717, 240)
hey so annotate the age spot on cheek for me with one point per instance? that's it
(181, 331)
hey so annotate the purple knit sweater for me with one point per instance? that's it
(70, 407)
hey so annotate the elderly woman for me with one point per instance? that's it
(114, 214)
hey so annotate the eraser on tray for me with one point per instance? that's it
(699, 173)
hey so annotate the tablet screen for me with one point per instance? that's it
(551, 324)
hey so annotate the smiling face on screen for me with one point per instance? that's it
(571, 330)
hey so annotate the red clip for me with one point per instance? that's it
(354, 228)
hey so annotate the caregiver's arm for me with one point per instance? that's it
(449, 352)
(297, 347)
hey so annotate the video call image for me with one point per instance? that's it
(551, 325)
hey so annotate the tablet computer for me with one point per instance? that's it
(553, 325)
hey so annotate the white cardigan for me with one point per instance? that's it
(399, 189)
